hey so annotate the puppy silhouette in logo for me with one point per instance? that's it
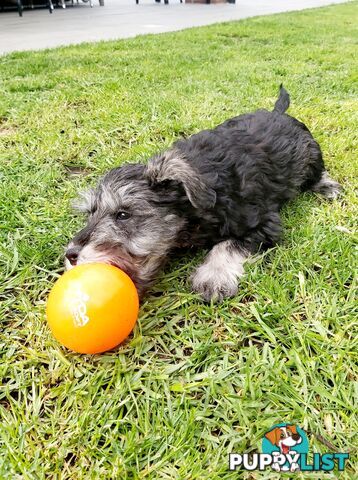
(285, 438)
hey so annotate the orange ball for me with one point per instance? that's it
(92, 308)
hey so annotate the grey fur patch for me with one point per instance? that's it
(327, 187)
(220, 272)
(85, 202)
(171, 165)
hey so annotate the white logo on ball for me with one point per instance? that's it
(79, 308)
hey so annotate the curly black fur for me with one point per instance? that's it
(252, 164)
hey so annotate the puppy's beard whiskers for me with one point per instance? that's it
(149, 266)
(68, 265)
(91, 254)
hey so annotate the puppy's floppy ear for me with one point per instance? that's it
(86, 202)
(292, 429)
(172, 165)
(273, 436)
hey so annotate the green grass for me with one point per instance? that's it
(194, 382)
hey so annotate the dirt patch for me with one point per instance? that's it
(6, 130)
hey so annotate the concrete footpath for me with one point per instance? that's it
(38, 29)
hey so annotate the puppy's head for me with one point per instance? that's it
(134, 218)
(284, 437)
(129, 224)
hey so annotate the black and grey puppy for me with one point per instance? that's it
(221, 188)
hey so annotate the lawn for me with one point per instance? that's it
(195, 381)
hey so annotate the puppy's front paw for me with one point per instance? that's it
(294, 467)
(276, 466)
(213, 284)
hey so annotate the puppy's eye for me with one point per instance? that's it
(122, 215)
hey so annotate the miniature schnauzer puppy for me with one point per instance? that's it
(220, 189)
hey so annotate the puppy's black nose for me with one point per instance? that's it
(296, 436)
(72, 255)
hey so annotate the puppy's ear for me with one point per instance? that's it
(273, 435)
(172, 166)
(86, 202)
(292, 429)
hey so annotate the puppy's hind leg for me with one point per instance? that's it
(327, 187)
(218, 276)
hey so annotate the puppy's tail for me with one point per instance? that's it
(283, 101)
